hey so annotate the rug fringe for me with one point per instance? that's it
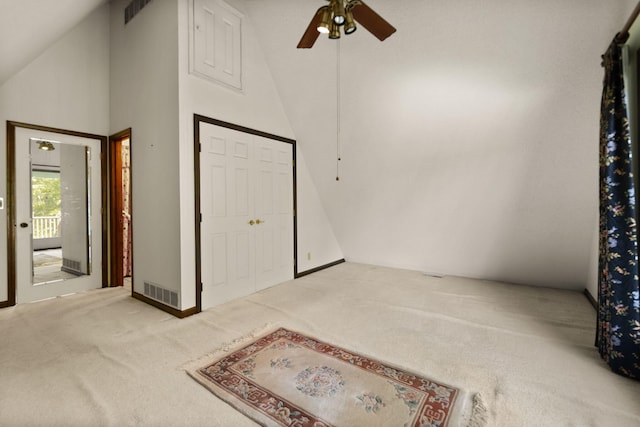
(478, 412)
(228, 346)
(231, 345)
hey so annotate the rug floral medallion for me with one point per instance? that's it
(288, 379)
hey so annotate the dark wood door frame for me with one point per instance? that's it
(197, 119)
(116, 227)
(11, 197)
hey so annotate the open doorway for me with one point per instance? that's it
(120, 230)
(56, 195)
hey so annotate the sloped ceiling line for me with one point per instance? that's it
(29, 27)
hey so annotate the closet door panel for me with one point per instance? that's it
(274, 208)
(227, 238)
(246, 199)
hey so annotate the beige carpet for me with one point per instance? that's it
(43, 258)
(102, 358)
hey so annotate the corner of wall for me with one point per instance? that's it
(257, 106)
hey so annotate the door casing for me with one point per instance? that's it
(197, 119)
(115, 207)
(11, 199)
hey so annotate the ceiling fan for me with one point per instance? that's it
(344, 13)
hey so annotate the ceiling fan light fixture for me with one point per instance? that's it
(335, 14)
(334, 32)
(339, 14)
(349, 24)
(46, 146)
(325, 22)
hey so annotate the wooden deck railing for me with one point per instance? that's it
(46, 227)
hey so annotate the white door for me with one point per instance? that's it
(227, 239)
(247, 213)
(273, 212)
(76, 160)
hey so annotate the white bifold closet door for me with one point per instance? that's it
(246, 201)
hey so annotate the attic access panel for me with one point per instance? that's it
(216, 42)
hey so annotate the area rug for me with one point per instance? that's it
(286, 378)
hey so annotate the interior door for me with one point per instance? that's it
(120, 205)
(273, 212)
(227, 238)
(246, 202)
(78, 163)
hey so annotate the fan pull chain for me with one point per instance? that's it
(338, 159)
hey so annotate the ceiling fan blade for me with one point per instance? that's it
(371, 20)
(311, 34)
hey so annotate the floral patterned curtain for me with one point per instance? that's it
(126, 209)
(618, 329)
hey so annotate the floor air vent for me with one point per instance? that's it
(71, 266)
(162, 295)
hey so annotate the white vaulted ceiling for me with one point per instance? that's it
(28, 27)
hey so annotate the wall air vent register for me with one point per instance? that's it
(133, 8)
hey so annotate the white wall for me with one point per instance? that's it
(317, 244)
(104, 77)
(257, 106)
(144, 97)
(469, 137)
(66, 87)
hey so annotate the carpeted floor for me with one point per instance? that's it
(40, 259)
(102, 358)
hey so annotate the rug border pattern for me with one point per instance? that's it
(283, 412)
